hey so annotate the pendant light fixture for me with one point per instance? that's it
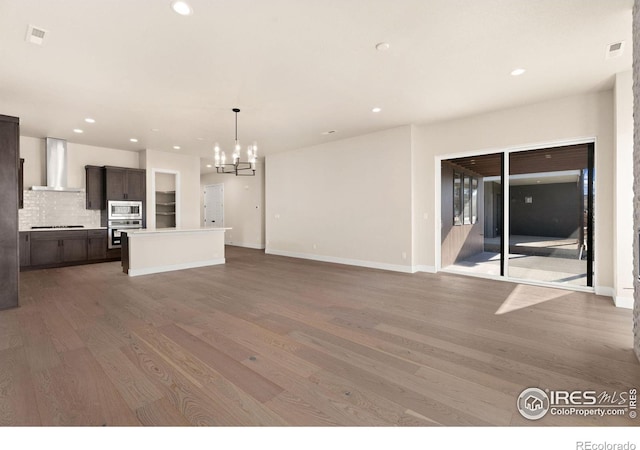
(237, 167)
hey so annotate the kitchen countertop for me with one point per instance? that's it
(147, 231)
(63, 229)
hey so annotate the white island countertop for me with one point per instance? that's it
(146, 231)
(153, 250)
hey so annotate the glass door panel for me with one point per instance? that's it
(549, 202)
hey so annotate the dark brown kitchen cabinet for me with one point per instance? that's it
(96, 244)
(9, 181)
(55, 247)
(25, 249)
(136, 184)
(125, 184)
(95, 187)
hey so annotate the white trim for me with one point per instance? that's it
(437, 217)
(623, 302)
(245, 245)
(606, 291)
(171, 268)
(335, 260)
(423, 268)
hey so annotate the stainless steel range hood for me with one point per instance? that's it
(56, 167)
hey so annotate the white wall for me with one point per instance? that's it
(165, 181)
(33, 150)
(546, 123)
(346, 201)
(187, 201)
(243, 207)
(623, 211)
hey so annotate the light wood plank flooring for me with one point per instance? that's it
(267, 340)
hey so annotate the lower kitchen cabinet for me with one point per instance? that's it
(97, 244)
(54, 247)
(39, 249)
(74, 247)
(24, 249)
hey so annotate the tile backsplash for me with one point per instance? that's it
(42, 208)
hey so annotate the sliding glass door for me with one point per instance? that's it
(525, 215)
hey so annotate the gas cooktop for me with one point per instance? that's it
(56, 226)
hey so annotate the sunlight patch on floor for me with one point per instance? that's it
(524, 296)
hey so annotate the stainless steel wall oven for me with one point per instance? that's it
(123, 216)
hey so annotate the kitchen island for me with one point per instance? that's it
(148, 251)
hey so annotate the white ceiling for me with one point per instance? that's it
(296, 68)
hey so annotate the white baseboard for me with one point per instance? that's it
(336, 260)
(171, 268)
(422, 268)
(623, 302)
(242, 244)
(605, 290)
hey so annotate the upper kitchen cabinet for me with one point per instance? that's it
(125, 184)
(9, 181)
(95, 187)
(136, 184)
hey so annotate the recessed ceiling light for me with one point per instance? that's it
(90, 120)
(376, 109)
(181, 7)
(517, 72)
(176, 147)
(209, 166)
(382, 46)
(78, 130)
(328, 132)
(133, 140)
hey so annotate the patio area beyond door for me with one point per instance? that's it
(522, 215)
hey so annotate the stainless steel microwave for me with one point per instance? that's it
(124, 210)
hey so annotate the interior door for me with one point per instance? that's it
(214, 206)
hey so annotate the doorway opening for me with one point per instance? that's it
(164, 210)
(521, 215)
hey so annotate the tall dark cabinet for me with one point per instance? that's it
(9, 171)
(95, 187)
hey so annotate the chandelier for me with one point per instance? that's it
(237, 167)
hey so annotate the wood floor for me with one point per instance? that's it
(268, 340)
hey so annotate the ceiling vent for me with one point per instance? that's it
(35, 35)
(614, 50)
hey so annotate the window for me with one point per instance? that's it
(465, 199)
(474, 200)
(457, 198)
